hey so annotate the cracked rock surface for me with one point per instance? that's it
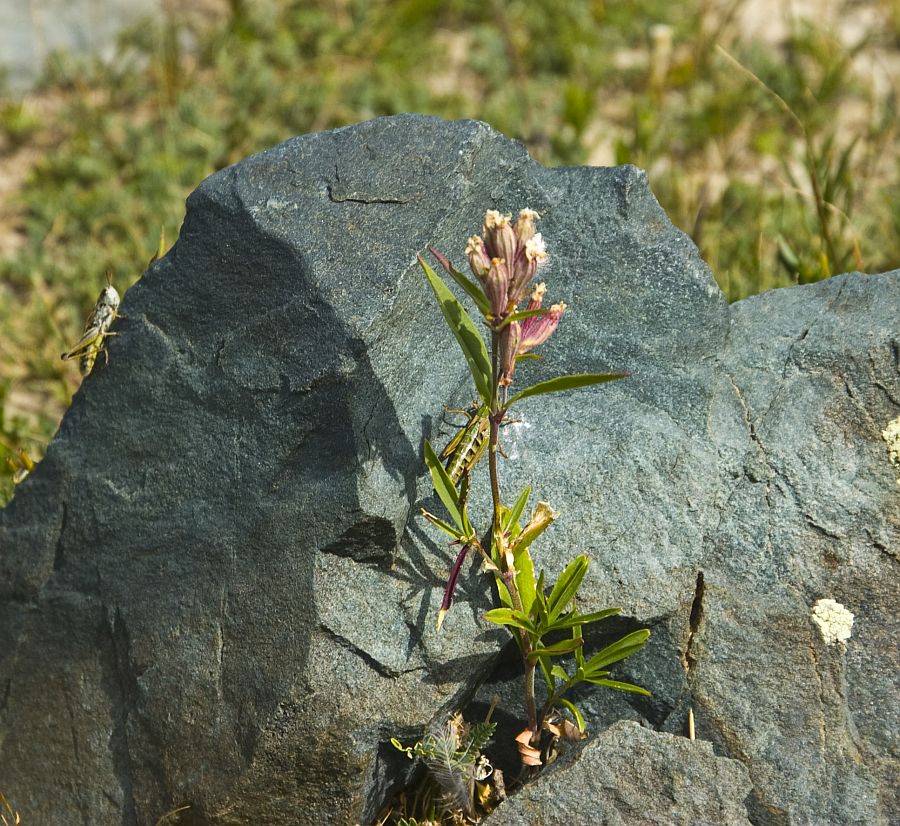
(215, 590)
(631, 776)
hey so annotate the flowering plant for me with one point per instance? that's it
(504, 261)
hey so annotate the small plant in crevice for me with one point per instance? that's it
(543, 617)
(454, 786)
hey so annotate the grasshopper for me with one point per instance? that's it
(466, 448)
(96, 330)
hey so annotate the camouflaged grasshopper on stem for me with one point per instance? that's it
(96, 331)
(465, 450)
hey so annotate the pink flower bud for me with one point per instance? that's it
(509, 349)
(537, 329)
(535, 249)
(499, 237)
(537, 296)
(495, 287)
(479, 261)
(530, 253)
(523, 274)
(525, 225)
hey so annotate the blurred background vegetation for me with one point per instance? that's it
(771, 140)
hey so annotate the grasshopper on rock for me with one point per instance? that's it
(96, 330)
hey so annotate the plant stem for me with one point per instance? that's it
(506, 564)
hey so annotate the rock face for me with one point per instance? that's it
(215, 590)
(631, 776)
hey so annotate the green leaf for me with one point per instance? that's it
(514, 514)
(444, 487)
(503, 592)
(461, 325)
(479, 736)
(509, 616)
(579, 652)
(525, 579)
(560, 673)
(565, 383)
(619, 650)
(544, 663)
(579, 718)
(539, 608)
(573, 619)
(471, 289)
(557, 649)
(566, 587)
(634, 689)
(523, 314)
(444, 526)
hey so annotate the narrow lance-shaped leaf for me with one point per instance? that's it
(565, 383)
(513, 515)
(471, 289)
(502, 590)
(525, 581)
(566, 587)
(539, 608)
(619, 650)
(509, 616)
(579, 652)
(554, 650)
(461, 325)
(579, 717)
(444, 526)
(573, 619)
(544, 663)
(634, 689)
(444, 487)
(523, 314)
(450, 588)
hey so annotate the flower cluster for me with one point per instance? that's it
(505, 259)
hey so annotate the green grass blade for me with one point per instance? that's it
(522, 315)
(444, 526)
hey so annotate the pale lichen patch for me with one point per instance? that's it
(834, 621)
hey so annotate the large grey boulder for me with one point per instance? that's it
(216, 590)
